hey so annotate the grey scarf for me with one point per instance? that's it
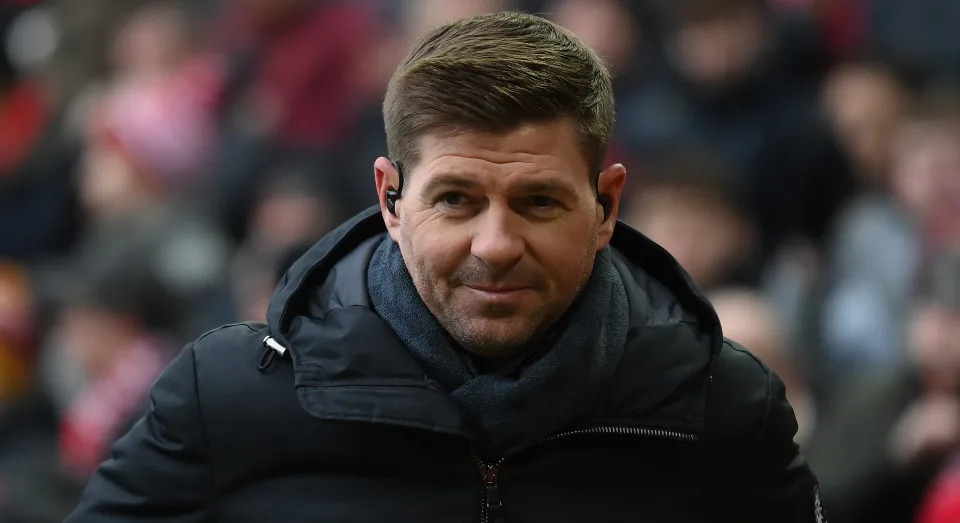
(559, 384)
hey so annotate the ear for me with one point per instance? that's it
(387, 178)
(610, 187)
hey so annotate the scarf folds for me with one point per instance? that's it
(551, 391)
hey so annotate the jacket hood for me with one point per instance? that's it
(321, 306)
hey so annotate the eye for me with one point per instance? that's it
(455, 204)
(452, 199)
(544, 202)
(542, 207)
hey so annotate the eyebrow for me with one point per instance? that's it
(448, 180)
(547, 186)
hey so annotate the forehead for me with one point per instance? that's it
(528, 152)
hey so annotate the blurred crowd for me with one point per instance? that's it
(163, 163)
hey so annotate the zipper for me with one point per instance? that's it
(627, 431)
(491, 504)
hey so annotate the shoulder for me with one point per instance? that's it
(227, 365)
(750, 453)
(221, 351)
(236, 393)
(227, 335)
(739, 391)
(229, 346)
(747, 410)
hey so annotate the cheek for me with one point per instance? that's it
(564, 254)
(434, 252)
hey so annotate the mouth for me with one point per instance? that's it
(503, 295)
(497, 289)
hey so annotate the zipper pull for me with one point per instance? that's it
(273, 350)
(493, 495)
(266, 360)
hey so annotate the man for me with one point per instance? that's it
(487, 345)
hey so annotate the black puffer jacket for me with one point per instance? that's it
(323, 415)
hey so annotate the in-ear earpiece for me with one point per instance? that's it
(393, 194)
(607, 205)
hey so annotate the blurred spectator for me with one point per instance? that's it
(34, 161)
(27, 420)
(293, 208)
(111, 322)
(927, 171)
(687, 210)
(27, 103)
(724, 86)
(134, 218)
(255, 275)
(297, 76)
(866, 103)
(154, 40)
(863, 312)
(86, 30)
(18, 334)
(155, 43)
(752, 320)
(891, 429)
(173, 246)
(109, 332)
(297, 66)
(156, 113)
(718, 44)
(608, 27)
(291, 213)
(148, 143)
(146, 153)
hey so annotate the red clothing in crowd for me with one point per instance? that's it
(106, 406)
(942, 504)
(307, 71)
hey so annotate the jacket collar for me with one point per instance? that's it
(349, 365)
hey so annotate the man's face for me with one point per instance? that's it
(500, 231)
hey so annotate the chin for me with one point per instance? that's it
(492, 337)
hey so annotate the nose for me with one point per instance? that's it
(496, 240)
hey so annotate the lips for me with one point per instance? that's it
(501, 294)
(498, 289)
(496, 301)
